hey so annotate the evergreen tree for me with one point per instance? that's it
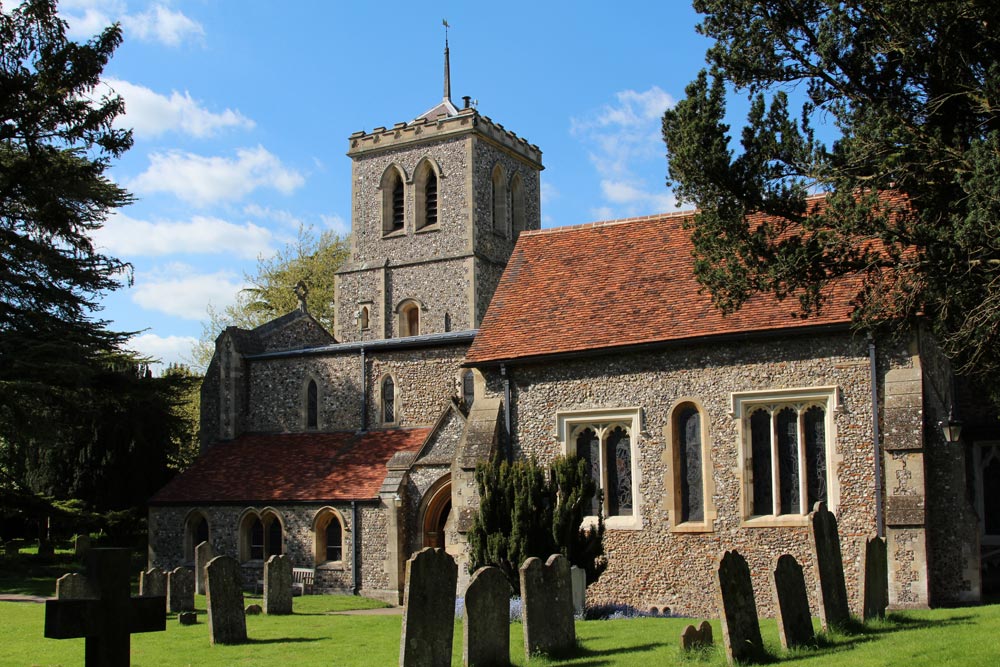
(913, 181)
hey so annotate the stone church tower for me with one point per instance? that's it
(436, 206)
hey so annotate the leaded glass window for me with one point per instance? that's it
(760, 452)
(619, 462)
(388, 400)
(312, 407)
(689, 462)
(815, 436)
(468, 388)
(788, 460)
(588, 448)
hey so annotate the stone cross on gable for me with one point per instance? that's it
(108, 620)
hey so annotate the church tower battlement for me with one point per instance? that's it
(437, 204)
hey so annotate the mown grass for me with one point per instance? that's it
(316, 635)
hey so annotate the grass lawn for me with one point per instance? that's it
(314, 635)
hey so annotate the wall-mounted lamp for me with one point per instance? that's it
(952, 428)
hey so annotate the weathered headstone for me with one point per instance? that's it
(876, 593)
(153, 582)
(180, 590)
(694, 638)
(278, 585)
(547, 593)
(833, 610)
(227, 623)
(794, 622)
(428, 609)
(74, 586)
(486, 619)
(187, 618)
(738, 609)
(108, 620)
(81, 545)
(253, 610)
(202, 554)
(579, 579)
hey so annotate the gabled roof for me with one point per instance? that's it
(616, 284)
(292, 467)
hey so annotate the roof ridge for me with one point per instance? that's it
(610, 223)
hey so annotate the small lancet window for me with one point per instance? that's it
(388, 400)
(409, 319)
(312, 405)
(334, 541)
(363, 316)
(468, 388)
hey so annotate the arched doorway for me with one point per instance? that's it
(436, 513)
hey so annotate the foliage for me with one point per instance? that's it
(525, 511)
(913, 205)
(186, 442)
(312, 259)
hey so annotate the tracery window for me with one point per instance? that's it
(607, 448)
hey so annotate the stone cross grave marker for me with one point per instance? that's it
(876, 594)
(738, 609)
(486, 619)
(108, 620)
(833, 610)
(547, 593)
(227, 623)
(699, 637)
(428, 609)
(153, 582)
(794, 622)
(278, 585)
(74, 586)
(202, 554)
(180, 590)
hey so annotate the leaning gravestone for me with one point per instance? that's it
(202, 554)
(833, 610)
(81, 545)
(486, 619)
(153, 582)
(738, 610)
(694, 638)
(278, 585)
(108, 620)
(428, 609)
(224, 599)
(876, 596)
(180, 590)
(547, 593)
(794, 622)
(74, 587)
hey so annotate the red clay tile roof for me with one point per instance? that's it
(291, 467)
(618, 283)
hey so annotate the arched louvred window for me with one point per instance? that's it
(517, 212)
(431, 199)
(398, 208)
(388, 400)
(688, 443)
(312, 405)
(499, 201)
(393, 200)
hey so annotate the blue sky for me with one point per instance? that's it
(242, 110)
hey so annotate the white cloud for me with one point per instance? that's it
(286, 218)
(204, 180)
(634, 194)
(549, 193)
(340, 226)
(179, 291)
(128, 237)
(167, 349)
(151, 114)
(87, 18)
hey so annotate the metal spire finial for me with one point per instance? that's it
(447, 64)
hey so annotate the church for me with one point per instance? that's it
(463, 329)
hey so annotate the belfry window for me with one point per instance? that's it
(393, 200)
(397, 205)
(425, 191)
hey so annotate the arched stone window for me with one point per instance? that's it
(312, 405)
(329, 536)
(409, 318)
(689, 475)
(393, 199)
(425, 190)
(517, 219)
(498, 206)
(468, 388)
(261, 535)
(363, 319)
(196, 531)
(388, 399)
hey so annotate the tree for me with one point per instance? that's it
(311, 258)
(912, 210)
(526, 510)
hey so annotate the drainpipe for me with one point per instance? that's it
(506, 412)
(879, 521)
(364, 391)
(355, 531)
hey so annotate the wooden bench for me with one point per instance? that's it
(302, 580)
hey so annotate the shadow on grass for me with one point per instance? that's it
(284, 640)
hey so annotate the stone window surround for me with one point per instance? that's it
(386, 185)
(412, 192)
(266, 516)
(324, 517)
(189, 536)
(478, 383)
(568, 425)
(671, 477)
(304, 404)
(396, 407)
(402, 310)
(828, 397)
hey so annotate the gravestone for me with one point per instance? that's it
(187, 618)
(224, 599)
(428, 609)
(694, 638)
(74, 586)
(738, 609)
(202, 554)
(547, 594)
(153, 582)
(278, 585)
(253, 610)
(486, 619)
(876, 591)
(579, 579)
(107, 621)
(81, 545)
(794, 622)
(180, 590)
(833, 610)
